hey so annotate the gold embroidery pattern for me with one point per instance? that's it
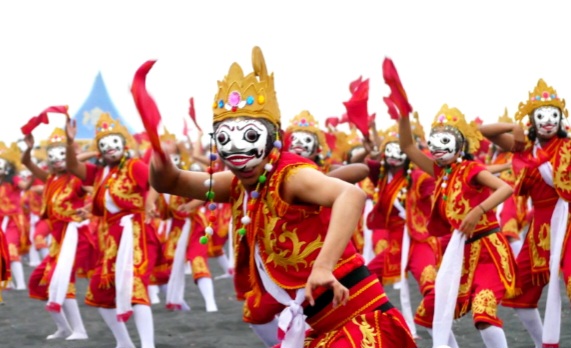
(562, 177)
(505, 256)
(420, 310)
(5, 203)
(542, 236)
(171, 242)
(475, 248)
(324, 342)
(381, 246)
(368, 332)
(89, 295)
(293, 257)
(485, 303)
(569, 287)
(13, 251)
(428, 275)
(71, 289)
(54, 248)
(61, 202)
(139, 290)
(137, 252)
(124, 188)
(457, 207)
(199, 265)
(109, 253)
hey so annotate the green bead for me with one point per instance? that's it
(241, 231)
(262, 179)
(444, 197)
(203, 240)
(210, 195)
(448, 170)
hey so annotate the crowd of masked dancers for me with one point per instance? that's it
(310, 220)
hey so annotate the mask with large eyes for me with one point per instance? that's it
(241, 143)
(443, 146)
(4, 167)
(303, 144)
(111, 147)
(546, 120)
(56, 157)
(175, 159)
(25, 175)
(393, 155)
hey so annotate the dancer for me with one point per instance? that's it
(54, 279)
(11, 214)
(128, 247)
(285, 251)
(541, 161)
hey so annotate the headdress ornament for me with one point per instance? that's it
(453, 120)
(11, 155)
(305, 122)
(252, 95)
(106, 125)
(542, 95)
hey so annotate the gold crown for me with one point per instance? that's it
(416, 127)
(39, 153)
(305, 122)
(167, 137)
(57, 138)
(390, 135)
(452, 117)
(252, 95)
(542, 95)
(106, 126)
(11, 155)
(505, 118)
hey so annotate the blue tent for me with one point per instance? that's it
(96, 103)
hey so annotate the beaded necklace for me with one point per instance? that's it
(250, 198)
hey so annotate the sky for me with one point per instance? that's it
(479, 56)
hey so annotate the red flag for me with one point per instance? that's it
(356, 107)
(393, 112)
(331, 121)
(398, 94)
(147, 107)
(355, 84)
(43, 118)
(344, 118)
(192, 114)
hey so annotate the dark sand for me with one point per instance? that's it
(25, 323)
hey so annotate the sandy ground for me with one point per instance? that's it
(25, 323)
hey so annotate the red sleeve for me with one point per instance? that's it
(90, 173)
(474, 169)
(139, 171)
(427, 183)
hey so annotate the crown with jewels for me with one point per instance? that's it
(453, 120)
(390, 135)
(542, 95)
(57, 138)
(305, 122)
(106, 125)
(252, 95)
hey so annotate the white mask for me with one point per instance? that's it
(547, 120)
(303, 144)
(56, 157)
(25, 175)
(241, 143)
(111, 147)
(442, 146)
(393, 155)
(4, 167)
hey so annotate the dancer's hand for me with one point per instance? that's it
(70, 130)
(469, 223)
(321, 276)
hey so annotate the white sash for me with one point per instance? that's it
(124, 270)
(446, 289)
(552, 320)
(291, 320)
(59, 282)
(175, 288)
(368, 250)
(5, 221)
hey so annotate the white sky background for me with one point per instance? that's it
(479, 56)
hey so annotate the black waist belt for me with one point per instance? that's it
(482, 235)
(350, 280)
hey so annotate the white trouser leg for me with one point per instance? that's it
(531, 320)
(71, 310)
(18, 275)
(145, 326)
(267, 333)
(494, 337)
(206, 288)
(154, 294)
(118, 329)
(451, 341)
(63, 329)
